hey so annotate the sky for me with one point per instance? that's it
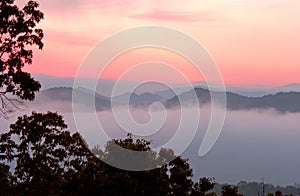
(252, 41)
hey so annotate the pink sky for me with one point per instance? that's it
(252, 41)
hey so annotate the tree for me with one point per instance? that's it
(17, 32)
(5, 179)
(180, 176)
(263, 187)
(173, 178)
(45, 154)
(278, 193)
(148, 182)
(46, 158)
(228, 190)
(203, 187)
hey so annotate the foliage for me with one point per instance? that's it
(5, 177)
(17, 32)
(43, 151)
(203, 187)
(38, 155)
(228, 190)
(45, 158)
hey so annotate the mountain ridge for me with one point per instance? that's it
(282, 101)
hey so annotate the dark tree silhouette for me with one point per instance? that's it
(149, 182)
(180, 176)
(228, 190)
(5, 180)
(17, 33)
(203, 187)
(44, 153)
(278, 193)
(45, 158)
(169, 178)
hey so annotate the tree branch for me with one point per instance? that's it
(8, 105)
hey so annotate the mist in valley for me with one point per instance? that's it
(253, 144)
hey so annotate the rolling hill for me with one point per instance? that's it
(282, 101)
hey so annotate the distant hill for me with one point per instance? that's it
(107, 85)
(135, 99)
(282, 102)
(64, 94)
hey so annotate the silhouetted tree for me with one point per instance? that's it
(203, 187)
(98, 178)
(17, 32)
(278, 193)
(47, 159)
(5, 180)
(255, 188)
(263, 187)
(180, 176)
(44, 153)
(228, 190)
(122, 182)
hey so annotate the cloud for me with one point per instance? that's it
(159, 14)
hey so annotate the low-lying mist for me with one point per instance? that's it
(253, 144)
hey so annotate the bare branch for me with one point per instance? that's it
(9, 105)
